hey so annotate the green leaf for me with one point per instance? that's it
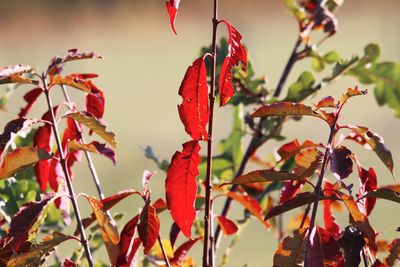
(96, 125)
(317, 64)
(302, 86)
(372, 52)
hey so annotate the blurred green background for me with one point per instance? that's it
(145, 62)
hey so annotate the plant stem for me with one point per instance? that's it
(92, 168)
(72, 195)
(288, 67)
(208, 248)
(318, 187)
(163, 252)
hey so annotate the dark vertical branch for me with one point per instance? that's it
(72, 195)
(208, 248)
(318, 187)
(87, 154)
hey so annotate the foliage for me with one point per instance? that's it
(36, 163)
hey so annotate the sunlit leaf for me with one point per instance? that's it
(96, 125)
(360, 220)
(35, 256)
(78, 81)
(94, 147)
(236, 53)
(250, 204)
(376, 142)
(194, 110)
(350, 93)
(295, 202)
(108, 228)
(95, 102)
(368, 181)
(14, 74)
(172, 8)
(330, 222)
(21, 158)
(181, 186)
(326, 102)
(286, 109)
(228, 226)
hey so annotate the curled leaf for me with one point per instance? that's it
(194, 110)
(181, 186)
(108, 228)
(72, 55)
(94, 147)
(96, 125)
(172, 8)
(236, 53)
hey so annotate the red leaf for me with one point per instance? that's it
(172, 8)
(341, 163)
(23, 221)
(236, 53)
(160, 205)
(31, 98)
(228, 226)
(182, 251)
(329, 220)
(149, 227)
(69, 263)
(194, 110)
(289, 190)
(44, 139)
(368, 183)
(324, 249)
(315, 255)
(181, 186)
(128, 244)
(95, 102)
(250, 204)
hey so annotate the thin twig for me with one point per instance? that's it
(84, 240)
(208, 248)
(164, 252)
